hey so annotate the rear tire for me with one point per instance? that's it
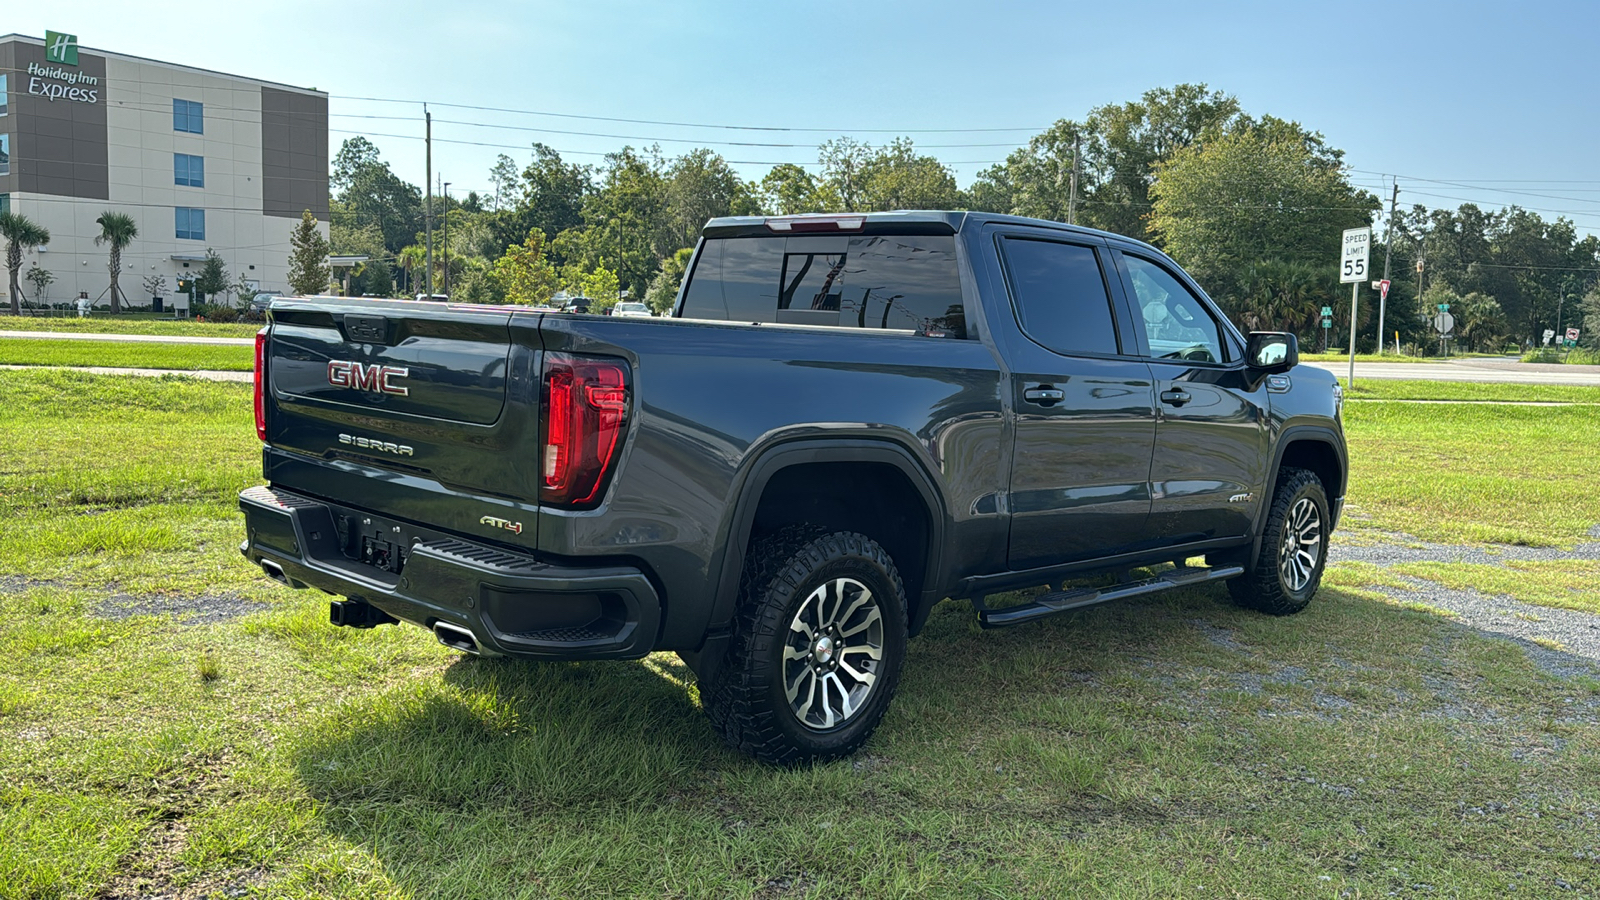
(1294, 548)
(817, 646)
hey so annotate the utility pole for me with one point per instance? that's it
(1072, 199)
(427, 208)
(1388, 249)
(445, 192)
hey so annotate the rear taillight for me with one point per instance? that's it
(261, 378)
(583, 408)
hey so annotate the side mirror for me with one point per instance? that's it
(1272, 351)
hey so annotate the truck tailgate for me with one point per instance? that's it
(417, 411)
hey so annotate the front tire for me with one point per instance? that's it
(1294, 548)
(817, 647)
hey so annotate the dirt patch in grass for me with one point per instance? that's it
(204, 609)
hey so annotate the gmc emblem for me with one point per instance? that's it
(376, 378)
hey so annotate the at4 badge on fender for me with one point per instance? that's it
(379, 379)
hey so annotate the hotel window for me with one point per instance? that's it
(5, 154)
(5, 203)
(188, 170)
(191, 224)
(3, 107)
(188, 115)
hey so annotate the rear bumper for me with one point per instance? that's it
(513, 604)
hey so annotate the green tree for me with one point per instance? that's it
(412, 260)
(41, 279)
(1481, 325)
(1591, 318)
(700, 186)
(243, 290)
(20, 234)
(788, 189)
(524, 275)
(1118, 147)
(550, 198)
(308, 258)
(378, 280)
(154, 285)
(600, 285)
(503, 176)
(368, 193)
(663, 290)
(213, 277)
(118, 230)
(1259, 192)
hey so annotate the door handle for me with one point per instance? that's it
(1044, 395)
(1175, 397)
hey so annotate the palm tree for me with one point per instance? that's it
(411, 259)
(118, 230)
(20, 233)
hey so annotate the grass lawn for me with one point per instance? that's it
(171, 723)
(1386, 389)
(130, 354)
(129, 324)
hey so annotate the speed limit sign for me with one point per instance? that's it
(1353, 255)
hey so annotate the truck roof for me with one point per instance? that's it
(903, 221)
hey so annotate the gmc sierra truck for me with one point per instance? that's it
(846, 420)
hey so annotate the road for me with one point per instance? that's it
(1491, 370)
(147, 338)
(1506, 371)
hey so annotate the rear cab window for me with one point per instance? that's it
(1060, 296)
(905, 283)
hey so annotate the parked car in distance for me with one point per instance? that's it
(256, 309)
(632, 308)
(435, 298)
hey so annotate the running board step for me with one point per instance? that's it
(1062, 601)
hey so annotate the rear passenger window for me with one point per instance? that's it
(903, 283)
(1060, 296)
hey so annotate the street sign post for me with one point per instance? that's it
(1353, 252)
(1548, 334)
(1572, 338)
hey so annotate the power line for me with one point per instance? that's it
(532, 112)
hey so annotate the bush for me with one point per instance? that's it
(217, 313)
(1542, 355)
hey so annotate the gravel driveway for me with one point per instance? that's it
(1499, 615)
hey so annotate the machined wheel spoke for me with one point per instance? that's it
(863, 599)
(868, 650)
(873, 618)
(861, 677)
(846, 708)
(793, 654)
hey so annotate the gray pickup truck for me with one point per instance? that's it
(846, 420)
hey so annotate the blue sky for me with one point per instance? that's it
(1496, 99)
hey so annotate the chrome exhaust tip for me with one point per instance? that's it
(456, 638)
(275, 572)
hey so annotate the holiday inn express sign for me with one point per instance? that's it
(54, 82)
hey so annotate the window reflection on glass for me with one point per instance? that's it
(1176, 325)
(898, 282)
(3, 95)
(5, 154)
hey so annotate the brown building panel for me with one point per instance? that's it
(294, 154)
(57, 146)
